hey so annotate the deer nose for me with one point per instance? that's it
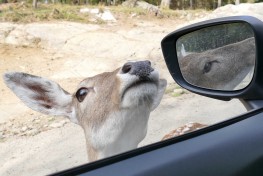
(140, 68)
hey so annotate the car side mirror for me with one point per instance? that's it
(218, 58)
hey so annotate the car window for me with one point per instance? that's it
(62, 54)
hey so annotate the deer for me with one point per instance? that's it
(221, 68)
(187, 128)
(112, 108)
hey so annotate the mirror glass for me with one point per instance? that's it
(220, 57)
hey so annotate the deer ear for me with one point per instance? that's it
(183, 53)
(159, 96)
(40, 94)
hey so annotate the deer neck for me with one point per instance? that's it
(122, 131)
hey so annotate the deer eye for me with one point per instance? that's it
(208, 66)
(82, 93)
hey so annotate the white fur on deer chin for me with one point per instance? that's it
(135, 92)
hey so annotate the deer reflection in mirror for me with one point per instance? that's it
(228, 67)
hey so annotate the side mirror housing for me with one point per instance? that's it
(218, 58)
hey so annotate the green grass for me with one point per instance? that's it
(174, 90)
(127, 10)
(24, 13)
(173, 94)
(170, 88)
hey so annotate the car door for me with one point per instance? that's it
(233, 147)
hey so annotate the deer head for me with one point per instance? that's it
(222, 68)
(112, 108)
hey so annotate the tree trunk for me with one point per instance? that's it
(108, 2)
(237, 2)
(219, 3)
(34, 4)
(181, 5)
(191, 4)
(165, 4)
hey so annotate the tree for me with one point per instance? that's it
(191, 4)
(219, 3)
(165, 4)
(34, 4)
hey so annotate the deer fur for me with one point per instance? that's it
(113, 108)
(222, 68)
(187, 128)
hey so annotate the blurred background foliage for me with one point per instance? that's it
(214, 37)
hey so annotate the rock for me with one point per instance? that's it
(50, 118)
(104, 15)
(133, 15)
(24, 128)
(149, 7)
(129, 3)
(92, 11)
(58, 124)
(32, 132)
(107, 16)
